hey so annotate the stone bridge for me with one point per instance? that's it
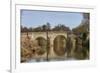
(52, 35)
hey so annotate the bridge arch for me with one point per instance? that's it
(41, 42)
(40, 38)
(59, 45)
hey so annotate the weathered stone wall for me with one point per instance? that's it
(52, 35)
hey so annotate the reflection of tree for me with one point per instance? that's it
(25, 54)
(82, 47)
(68, 46)
(85, 44)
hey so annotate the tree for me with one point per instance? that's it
(48, 26)
(61, 27)
(24, 29)
(68, 46)
(84, 26)
(30, 29)
(37, 29)
(44, 27)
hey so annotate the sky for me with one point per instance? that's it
(33, 18)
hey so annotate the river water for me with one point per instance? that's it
(50, 60)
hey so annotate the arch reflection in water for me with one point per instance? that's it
(59, 45)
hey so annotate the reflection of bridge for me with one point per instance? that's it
(52, 35)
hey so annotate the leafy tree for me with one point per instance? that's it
(48, 26)
(44, 27)
(84, 26)
(24, 29)
(61, 27)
